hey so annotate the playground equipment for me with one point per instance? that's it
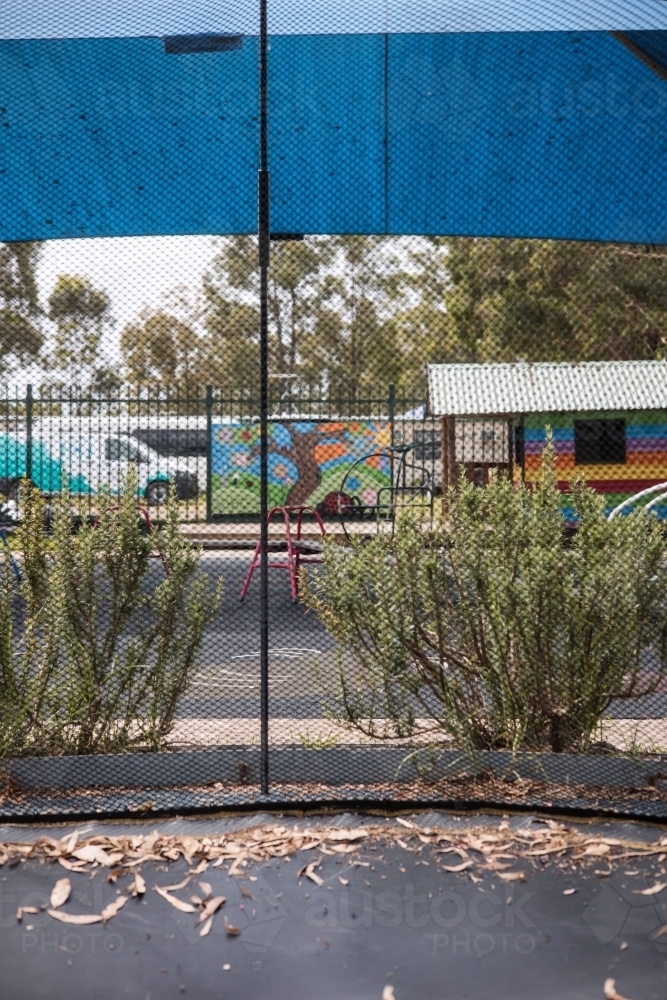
(365, 496)
(299, 551)
(640, 496)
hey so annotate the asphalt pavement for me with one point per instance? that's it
(227, 681)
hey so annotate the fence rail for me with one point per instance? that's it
(206, 442)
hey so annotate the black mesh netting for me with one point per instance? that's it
(349, 483)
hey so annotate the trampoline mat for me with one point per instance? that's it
(384, 922)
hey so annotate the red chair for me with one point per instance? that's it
(299, 551)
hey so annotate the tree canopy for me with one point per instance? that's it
(341, 310)
(81, 314)
(20, 336)
(347, 314)
(352, 313)
(547, 300)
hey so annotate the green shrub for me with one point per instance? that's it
(94, 656)
(494, 625)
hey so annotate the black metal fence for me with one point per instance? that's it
(207, 443)
(157, 659)
(197, 744)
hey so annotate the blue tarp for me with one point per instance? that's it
(514, 119)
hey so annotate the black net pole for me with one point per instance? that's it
(264, 248)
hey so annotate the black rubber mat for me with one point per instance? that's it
(388, 923)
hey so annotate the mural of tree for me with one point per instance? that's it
(306, 459)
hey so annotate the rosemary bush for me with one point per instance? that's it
(494, 626)
(94, 656)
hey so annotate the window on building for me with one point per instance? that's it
(599, 442)
(427, 444)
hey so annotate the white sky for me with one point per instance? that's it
(105, 18)
(136, 272)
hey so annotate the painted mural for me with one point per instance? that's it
(307, 461)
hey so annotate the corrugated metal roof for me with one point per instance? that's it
(546, 387)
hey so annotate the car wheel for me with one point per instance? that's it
(157, 493)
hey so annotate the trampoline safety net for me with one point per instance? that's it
(333, 404)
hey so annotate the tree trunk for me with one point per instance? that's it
(302, 455)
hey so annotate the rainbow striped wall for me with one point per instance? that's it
(646, 452)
